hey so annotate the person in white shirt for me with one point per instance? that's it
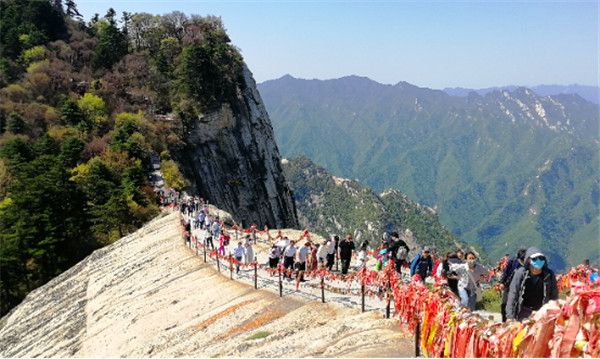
(322, 253)
(302, 255)
(238, 252)
(208, 239)
(288, 257)
(362, 256)
(332, 251)
(248, 250)
(274, 255)
(469, 275)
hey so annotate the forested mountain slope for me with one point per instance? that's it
(500, 170)
(83, 105)
(330, 205)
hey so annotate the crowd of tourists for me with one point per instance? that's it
(527, 282)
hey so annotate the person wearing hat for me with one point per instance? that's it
(422, 264)
(532, 285)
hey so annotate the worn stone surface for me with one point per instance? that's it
(232, 160)
(148, 295)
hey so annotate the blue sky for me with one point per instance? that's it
(435, 44)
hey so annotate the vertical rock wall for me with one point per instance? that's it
(232, 160)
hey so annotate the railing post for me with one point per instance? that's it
(389, 294)
(205, 253)
(231, 267)
(218, 265)
(255, 274)
(322, 290)
(387, 305)
(280, 284)
(417, 337)
(362, 291)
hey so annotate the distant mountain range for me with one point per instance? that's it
(589, 93)
(502, 170)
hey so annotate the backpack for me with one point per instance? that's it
(401, 253)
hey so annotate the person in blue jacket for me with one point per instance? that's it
(422, 264)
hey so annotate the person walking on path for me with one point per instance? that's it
(345, 253)
(208, 239)
(238, 253)
(422, 264)
(469, 274)
(313, 262)
(221, 250)
(303, 254)
(512, 265)
(362, 256)
(274, 255)
(532, 285)
(288, 258)
(332, 251)
(323, 252)
(249, 252)
(382, 257)
(444, 272)
(398, 251)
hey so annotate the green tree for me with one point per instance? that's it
(42, 227)
(93, 108)
(15, 123)
(26, 24)
(70, 150)
(128, 139)
(96, 180)
(112, 44)
(70, 112)
(112, 216)
(17, 151)
(47, 145)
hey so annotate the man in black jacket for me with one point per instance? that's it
(346, 248)
(395, 245)
(532, 286)
(511, 267)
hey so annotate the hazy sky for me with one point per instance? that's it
(435, 44)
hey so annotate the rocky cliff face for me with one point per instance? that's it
(233, 161)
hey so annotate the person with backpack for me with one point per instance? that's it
(513, 264)
(398, 252)
(422, 264)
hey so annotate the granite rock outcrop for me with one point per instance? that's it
(232, 160)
